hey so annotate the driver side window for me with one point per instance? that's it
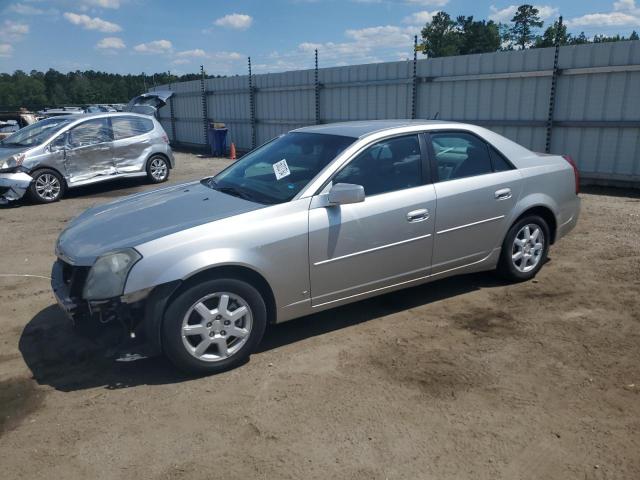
(89, 133)
(386, 166)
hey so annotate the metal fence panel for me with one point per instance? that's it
(596, 107)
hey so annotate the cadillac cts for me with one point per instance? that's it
(316, 218)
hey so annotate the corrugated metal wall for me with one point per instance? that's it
(596, 112)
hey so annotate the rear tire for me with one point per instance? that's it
(47, 186)
(157, 169)
(524, 250)
(213, 326)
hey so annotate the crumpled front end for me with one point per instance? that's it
(13, 186)
(127, 327)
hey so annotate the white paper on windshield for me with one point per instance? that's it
(281, 169)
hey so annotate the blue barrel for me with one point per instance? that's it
(218, 141)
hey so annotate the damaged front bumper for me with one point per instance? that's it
(13, 186)
(124, 326)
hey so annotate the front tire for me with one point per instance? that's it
(524, 249)
(47, 186)
(157, 169)
(213, 326)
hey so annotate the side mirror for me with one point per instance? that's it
(345, 193)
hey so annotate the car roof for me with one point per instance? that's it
(362, 128)
(85, 116)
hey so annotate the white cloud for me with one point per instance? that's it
(228, 56)
(505, 15)
(13, 31)
(239, 21)
(625, 14)
(111, 43)
(365, 45)
(88, 23)
(157, 46)
(414, 3)
(419, 18)
(5, 50)
(113, 4)
(427, 3)
(192, 53)
(25, 9)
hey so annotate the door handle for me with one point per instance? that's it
(503, 194)
(418, 215)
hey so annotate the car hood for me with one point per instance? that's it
(6, 152)
(140, 218)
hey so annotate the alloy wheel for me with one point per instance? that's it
(216, 326)
(527, 249)
(48, 186)
(158, 169)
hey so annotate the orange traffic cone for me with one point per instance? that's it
(232, 153)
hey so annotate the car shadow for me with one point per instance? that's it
(59, 357)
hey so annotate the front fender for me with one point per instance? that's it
(147, 274)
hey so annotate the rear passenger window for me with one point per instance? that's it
(125, 127)
(460, 155)
(500, 164)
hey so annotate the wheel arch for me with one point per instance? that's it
(547, 215)
(158, 154)
(35, 170)
(237, 272)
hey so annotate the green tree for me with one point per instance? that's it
(477, 36)
(634, 36)
(553, 32)
(525, 22)
(440, 36)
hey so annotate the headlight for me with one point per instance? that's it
(108, 275)
(12, 162)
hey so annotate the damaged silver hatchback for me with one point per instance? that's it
(58, 153)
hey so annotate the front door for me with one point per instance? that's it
(476, 189)
(383, 241)
(88, 152)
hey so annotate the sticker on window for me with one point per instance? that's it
(281, 169)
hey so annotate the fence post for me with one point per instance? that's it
(172, 113)
(414, 92)
(205, 115)
(554, 82)
(252, 108)
(317, 91)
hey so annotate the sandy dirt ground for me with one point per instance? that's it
(466, 378)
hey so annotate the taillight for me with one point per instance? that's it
(575, 171)
(165, 138)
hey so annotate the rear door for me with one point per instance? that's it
(385, 240)
(89, 150)
(476, 189)
(132, 139)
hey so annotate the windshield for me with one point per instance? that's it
(277, 171)
(36, 133)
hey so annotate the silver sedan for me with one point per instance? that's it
(314, 219)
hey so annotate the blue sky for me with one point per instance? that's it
(131, 36)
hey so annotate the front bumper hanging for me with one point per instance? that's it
(13, 186)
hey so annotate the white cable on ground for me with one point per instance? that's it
(24, 275)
